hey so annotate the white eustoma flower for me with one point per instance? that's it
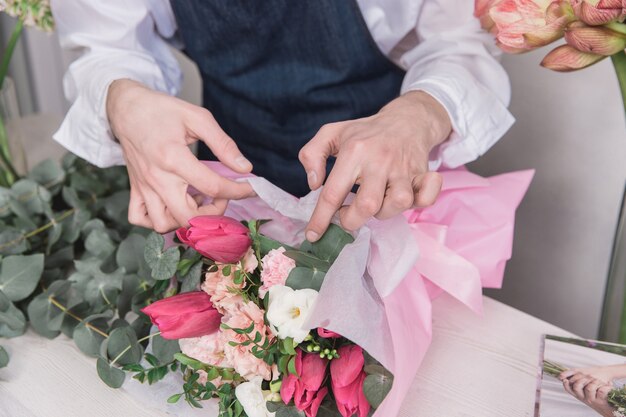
(253, 398)
(288, 310)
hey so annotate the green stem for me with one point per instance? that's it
(5, 156)
(619, 62)
(8, 53)
(117, 358)
(38, 230)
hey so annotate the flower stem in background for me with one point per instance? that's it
(9, 173)
(8, 53)
(619, 62)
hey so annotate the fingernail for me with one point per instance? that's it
(312, 236)
(311, 177)
(243, 162)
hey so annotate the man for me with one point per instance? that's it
(374, 93)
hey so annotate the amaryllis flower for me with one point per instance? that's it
(347, 377)
(566, 58)
(599, 12)
(523, 25)
(185, 315)
(220, 238)
(599, 40)
(306, 388)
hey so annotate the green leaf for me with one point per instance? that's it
(130, 254)
(291, 366)
(287, 346)
(99, 244)
(289, 411)
(32, 196)
(124, 339)
(131, 285)
(308, 260)
(41, 311)
(267, 244)
(5, 198)
(190, 362)
(86, 338)
(376, 387)
(96, 286)
(110, 375)
(82, 309)
(330, 244)
(20, 274)
(301, 277)
(174, 398)
(164, 349)
(163, 263)
(4, 357)
(12, 320)
(12, 241)
(48, 174)
(192, 279)
(116, 207)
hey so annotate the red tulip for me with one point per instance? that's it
(219, 238)
(347, 377)
(306, 388)
(185, 315)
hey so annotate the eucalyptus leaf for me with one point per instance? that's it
(164, 349)
(130, 254)
(24, 217)
(131, 284)
(19, 275)
(163, 263)
(99, 244)
(5, 198)
(330, 244)
(12, 241)
(31, 195)
(12, 320)
(308, 260)
(88, 335)
(301, 277)
(110, 375)
(376, 387)
(4, 357)
(289, 411)
(48, 174)
(41, 310)
(69, 323)
(116, 207)
(191, 280)
(123, 346)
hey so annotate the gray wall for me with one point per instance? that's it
(570, 128)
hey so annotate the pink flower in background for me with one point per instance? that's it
(276, 269)
(306, 388)
(220, 238)
(184, 315)
(208, 349)
(244, 362)
(327, 334)
(347, 377)
(523, 25)
(599, 12)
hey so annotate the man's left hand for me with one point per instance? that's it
(385, 154)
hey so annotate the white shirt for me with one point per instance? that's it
(438, 42)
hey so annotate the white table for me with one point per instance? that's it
(476, 367)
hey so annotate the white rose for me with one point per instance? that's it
(287, 311)
(253, 398)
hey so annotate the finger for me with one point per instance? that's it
(338, 185)
(591, 388)
(567, 386)
(566, 374)
(216, 207)
(137, 212)
(603, 392)
(161, 218)
(428, 187)
(576, 377)
(399, 197)
(202, 125)
(368, 201)
(315, 153)
(207, 181)
(579, 386)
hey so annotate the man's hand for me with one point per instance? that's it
(155, 131)
(385, 154)
(590, 391)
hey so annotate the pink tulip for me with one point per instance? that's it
(347, 377)
(523, 25)
(597, 40)
(566, 58)
(599, 12)
(306, 389)
(327, 334)
(219, 238)
(185, 315)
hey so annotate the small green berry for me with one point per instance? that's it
(317, 348)
(309, 348)
(322, 355)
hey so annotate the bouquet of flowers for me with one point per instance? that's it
(243, 333)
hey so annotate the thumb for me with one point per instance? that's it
(203, 126)
(314, 154)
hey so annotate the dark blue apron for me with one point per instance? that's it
(275, 71)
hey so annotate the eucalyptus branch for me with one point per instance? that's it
(40, 229)
(129, 347)
(65, 310)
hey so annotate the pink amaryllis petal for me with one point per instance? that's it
(597, 40)
(598, 14)
(185, 315)
(566, 58)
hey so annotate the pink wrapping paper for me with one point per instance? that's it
(378, 292)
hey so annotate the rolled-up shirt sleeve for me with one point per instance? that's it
(114, 40)
(456, 62)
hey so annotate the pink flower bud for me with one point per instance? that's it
(306, 388)
(598, 40)
(219, 238)
(185, 315)
(594, 12)
(566, 58)
(347, 377)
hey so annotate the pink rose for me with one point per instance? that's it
(306, 388)
(219, 238)
(207, 349)
(245, 363)
(276, 269)
(347, 377)
(184, 315)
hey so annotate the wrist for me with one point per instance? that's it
(120, 96)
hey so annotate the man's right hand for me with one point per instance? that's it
(155, 131)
